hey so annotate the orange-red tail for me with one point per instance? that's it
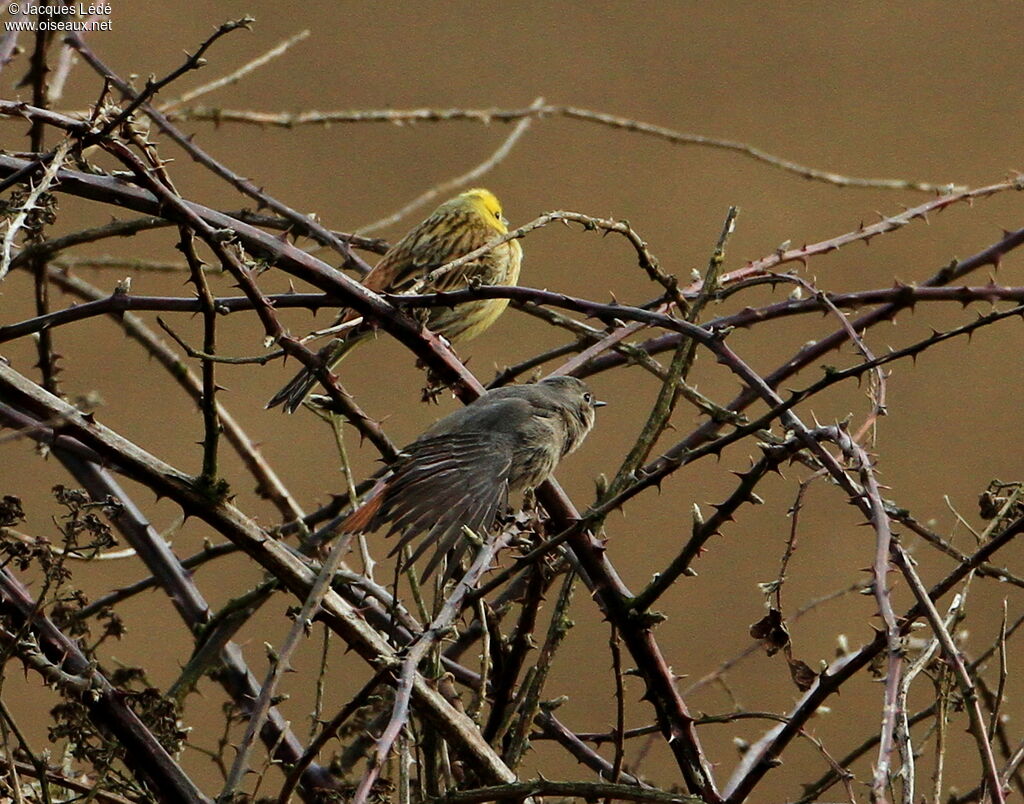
(362, 518)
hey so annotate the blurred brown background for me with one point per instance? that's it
(927, 91)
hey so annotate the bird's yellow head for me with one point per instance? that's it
(485, 204)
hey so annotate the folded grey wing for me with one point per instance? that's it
(443, 483)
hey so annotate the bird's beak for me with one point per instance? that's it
(504, 220)
(598, 403)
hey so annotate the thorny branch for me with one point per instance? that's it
(486, 116)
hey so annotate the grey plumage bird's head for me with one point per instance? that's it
(576, 402)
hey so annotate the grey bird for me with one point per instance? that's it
(461, 470)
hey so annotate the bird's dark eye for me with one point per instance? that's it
(588, 397)
(497, 214)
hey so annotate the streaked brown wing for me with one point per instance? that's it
(439, 239)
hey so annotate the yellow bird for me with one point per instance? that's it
(457, 227)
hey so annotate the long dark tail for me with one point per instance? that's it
(299, 387)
